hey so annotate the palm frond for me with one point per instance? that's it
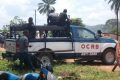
(45, 6)
(45, 1)
(110, 1)
(43, 10)
(49, 1)
(40, 6)
(52, 1)
(117, 7)
(40, 3)
(113, 6)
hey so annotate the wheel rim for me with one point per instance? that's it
(45, 60)
(109, 57)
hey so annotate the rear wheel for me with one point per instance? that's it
(108, 56)
(45, 58)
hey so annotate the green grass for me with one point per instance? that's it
(69, 71)
(85, 72)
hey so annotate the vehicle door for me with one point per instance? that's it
(85, 42)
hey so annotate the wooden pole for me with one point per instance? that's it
(117, 25)
(35, 16)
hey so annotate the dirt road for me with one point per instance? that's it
(2, 49)
(97, 64)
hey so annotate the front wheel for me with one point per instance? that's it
(108, 56)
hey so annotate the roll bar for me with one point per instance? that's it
(38, 27)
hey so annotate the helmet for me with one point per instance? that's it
(30, 20)
(99, 31)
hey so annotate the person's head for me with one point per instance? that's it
(65, 10)
(30, 20)
(26, 32)
(4, 76)
(99, 32)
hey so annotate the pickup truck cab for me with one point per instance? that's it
(82, 44)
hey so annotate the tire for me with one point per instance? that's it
(45, 58)
(108, 57)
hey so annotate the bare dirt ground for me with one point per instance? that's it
(97, 64)
(108, 68)
(2, 49)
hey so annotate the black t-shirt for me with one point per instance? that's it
(32, 30)
(52, 18)
(63, 17)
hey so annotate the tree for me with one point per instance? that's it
(16, 20)
(5, 28)
(111, 26)
(77, 21)
(115, 5)
(45, 7)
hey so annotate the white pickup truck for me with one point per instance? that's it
(82, 44)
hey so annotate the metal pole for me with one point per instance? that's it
(35, 16)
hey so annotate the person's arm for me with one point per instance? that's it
(26, 42)
(66, 17)
(48, 20)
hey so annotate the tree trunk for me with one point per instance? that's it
(117, 26)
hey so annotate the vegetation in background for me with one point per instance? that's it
(115, 5)
(15, 21)
(111, 27)
(77, 21)
(45, 6)
(5, 28)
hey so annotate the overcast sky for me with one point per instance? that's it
(92, 12)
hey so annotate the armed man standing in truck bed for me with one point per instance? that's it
(31, 28)
(64, 21)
